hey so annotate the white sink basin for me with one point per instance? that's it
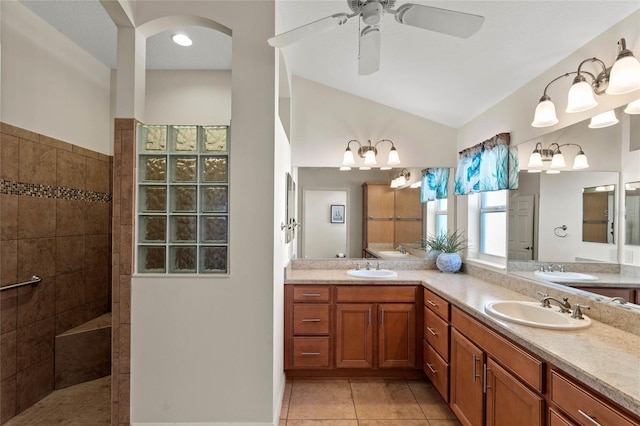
(392, 253)
(372, 273)
(534, 315)
(565, 277)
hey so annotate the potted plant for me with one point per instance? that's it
(433, 245)
(449, 244)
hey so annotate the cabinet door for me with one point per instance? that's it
(397, 335)
(465, 387)
(509, 402)
(354, 335)
(379, 201)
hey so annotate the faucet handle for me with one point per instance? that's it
(577, 311)
(378, 266)
(542, 293)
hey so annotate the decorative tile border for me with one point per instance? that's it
(47, 191)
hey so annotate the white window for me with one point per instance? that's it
(493, 224)
(441, 217)
(183, 199)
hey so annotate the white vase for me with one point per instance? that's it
(449, 262)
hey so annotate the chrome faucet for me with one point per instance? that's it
(565, 306)
(401, 249)
(368, 267)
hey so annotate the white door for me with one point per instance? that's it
(521, 218)
(320, 237)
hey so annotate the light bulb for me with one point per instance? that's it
(605, 119)
(624, 76)
(545, 114)
(370, 158)
(394, 158)
(580, 96)
(347, 158)
(580, 162)
(535, 159)
(557, 162)
(633, 107)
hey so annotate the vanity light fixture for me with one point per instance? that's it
(633, 107)
(369, 153)
(553, 155)
(401, 179)
(623, 77)
(182, 40)
(605, 119)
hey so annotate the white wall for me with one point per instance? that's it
(188, 97)
(50, 85)
(320, 237)
(204, 349)
(325, 119)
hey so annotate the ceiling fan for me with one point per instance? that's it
(444, 21)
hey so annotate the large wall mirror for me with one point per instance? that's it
(320, 187)
(572, 216)
(632, 213)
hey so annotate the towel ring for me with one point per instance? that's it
(560, 228)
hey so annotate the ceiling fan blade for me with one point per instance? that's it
(369, 55)
(450, 22)
(297, 34)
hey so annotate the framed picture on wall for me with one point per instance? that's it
(337, 213)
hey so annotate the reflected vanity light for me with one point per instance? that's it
(605, 119)
(401, 179)
(417, 184)
(623, 77)
(633, 107)
(369, 152)
(553, 155)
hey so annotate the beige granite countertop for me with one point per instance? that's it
(605, 358)
(604, 280)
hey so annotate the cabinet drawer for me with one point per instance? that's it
(557, 419)
(436, 333)
(309, 293)
(437, 304)
(378, 293)
(583, 406)
(310, 319)
(437, 370)
(310, 352)
(525, 366)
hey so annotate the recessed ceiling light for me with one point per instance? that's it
(182, 39)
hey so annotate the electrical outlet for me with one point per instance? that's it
(628, 256)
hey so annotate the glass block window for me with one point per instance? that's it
(183, 199)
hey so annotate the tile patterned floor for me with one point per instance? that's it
(363, 402)
(86, 404)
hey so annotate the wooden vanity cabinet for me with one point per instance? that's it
(436, 332)
(307, 327)
(492, 380)
(582, 405)
(378, 334)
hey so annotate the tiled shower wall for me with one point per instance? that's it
(56, 223)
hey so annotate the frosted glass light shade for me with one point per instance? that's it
(394, 183)
(401, 180)
(394, 158)
(605, 119)
(624, 76)
(347, 158)
(535, 160)
(557, 162)
(633, 107)
(580, 162)
(370, 158)
(580, 97)
(545, 115)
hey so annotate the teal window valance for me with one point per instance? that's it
(434, 184)
(488, 166)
